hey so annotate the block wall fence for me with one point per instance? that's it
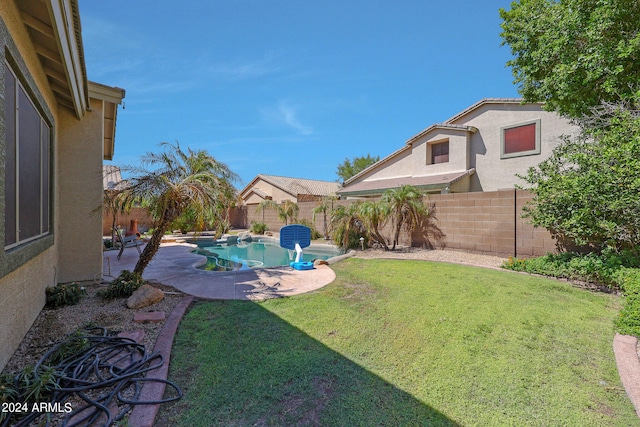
(481, 222)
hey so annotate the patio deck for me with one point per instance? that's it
(174, 265)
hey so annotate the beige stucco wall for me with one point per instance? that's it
(492, 172)
(79, 166)
(22, 290)
(276, 194)
(458, 148)
(479, 150)
(413, 161)
(22, 298)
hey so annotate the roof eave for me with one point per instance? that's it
(65, 21)
(112, 97)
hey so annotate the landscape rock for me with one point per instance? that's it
(320, 262)
(145, 296)
(149, 317)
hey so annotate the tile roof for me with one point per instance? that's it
(295, 186)
(112, 178)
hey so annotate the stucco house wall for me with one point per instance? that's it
(79, 163)
(22, 282)
(69, 249)
(495, 173)
(475, 155)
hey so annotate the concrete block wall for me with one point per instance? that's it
(124, 220)
(489, 222)
(483, 222)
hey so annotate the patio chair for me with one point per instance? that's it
(128, 241)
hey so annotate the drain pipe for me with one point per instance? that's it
(515, 222)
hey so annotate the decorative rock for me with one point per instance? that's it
(320, 262)
(151, 316)
(145, 296)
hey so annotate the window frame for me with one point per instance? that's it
(537, 140)
(31, 173)
(430, 151)
(14, 256)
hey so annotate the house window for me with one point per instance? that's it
(27, 155)
(520, 140)
(439, 152)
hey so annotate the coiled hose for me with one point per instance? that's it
(107, 371)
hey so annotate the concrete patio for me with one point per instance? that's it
(175, 265)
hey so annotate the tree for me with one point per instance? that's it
(181, 181)
(325, 206)
(574, 54)
(287, 211)
(374, 215)
(406, 207)
(349, 168)
(347, 226)
(588, 190)
(198, 217)
(113, 202)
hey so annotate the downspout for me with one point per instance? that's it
(515, 222)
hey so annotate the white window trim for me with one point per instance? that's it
(533, 152)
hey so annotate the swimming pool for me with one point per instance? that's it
(248, 255)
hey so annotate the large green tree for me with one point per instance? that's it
(588, 190)
(574, 54)
(352, 167)
(173, 181)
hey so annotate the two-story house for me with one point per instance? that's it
(483, 148)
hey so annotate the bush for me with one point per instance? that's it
(63, 294)
(124, 285)
(315, 234)
(258, 227)
(628, 322)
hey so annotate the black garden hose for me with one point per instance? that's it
(108, 371)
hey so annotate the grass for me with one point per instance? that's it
(404, 343)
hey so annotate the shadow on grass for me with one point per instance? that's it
(239, 364)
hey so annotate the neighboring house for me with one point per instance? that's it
(280, 188)
(480, 149)
(112, 178)
(56, 128)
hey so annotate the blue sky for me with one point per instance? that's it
(291, 87)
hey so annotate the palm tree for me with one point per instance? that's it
(181, 181)
(113, 202)
(347, 225)
(406, 208)
(375, 215)
(287, 211)
(325, 205)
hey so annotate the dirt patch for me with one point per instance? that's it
(52, 326)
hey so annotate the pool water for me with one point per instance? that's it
(255, 255)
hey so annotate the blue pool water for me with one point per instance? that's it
(256, 255)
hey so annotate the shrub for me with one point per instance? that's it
(628, 321)
(315, 234)
(123, 286)
(63, 294)
(258, 227)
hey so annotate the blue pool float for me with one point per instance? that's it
(304, 265)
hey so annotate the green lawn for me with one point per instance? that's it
(404, 343)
